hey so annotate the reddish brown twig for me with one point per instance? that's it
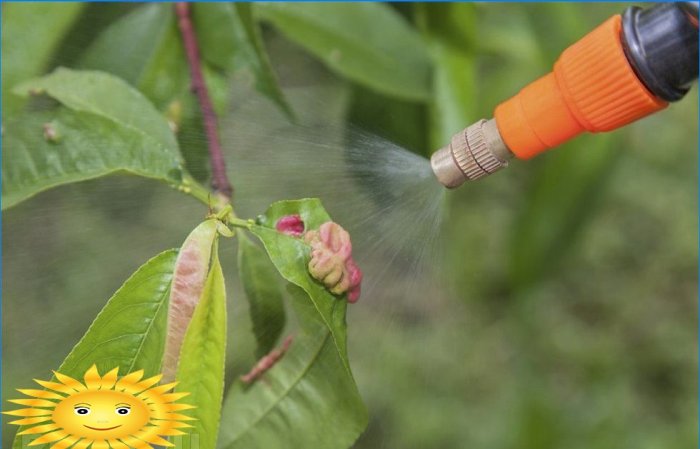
(220, 181)
(267, 362)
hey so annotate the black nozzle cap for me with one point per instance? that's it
(661, 44)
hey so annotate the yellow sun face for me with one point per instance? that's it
(101, 414)
(104, 411)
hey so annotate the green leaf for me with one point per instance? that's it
(143, 48)
(31, 33)
(189, 279)
(107, 96)
(129, 332)
(156, 64)
(367, 42)
(202, 359)
(309, 398)
(92, 138)
(450, 30)
(230, 40)
(261, 285)
(564, 193)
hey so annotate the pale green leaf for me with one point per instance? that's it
(31, 33)
(144, 49)
(230, 40)
(92, 138)
(262, 288)
(129, 332)
(107, 96)
(88, 146)
(450, 31)
(202, 360)
(557, 206)
(367, 42)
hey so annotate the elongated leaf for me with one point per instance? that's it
(201, 368)
(558, 205)
(450, 31)
(261, 285)
(26, 53)
(107, 96)
(309, 398)
(190, 274)
(230, 40)
(129, 332)
(143, 48)
(366, 42)
(90, 139)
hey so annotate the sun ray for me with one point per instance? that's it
(82, 444)
(33, 402)
(106, 412)
(39, 429)
(136, 443)
(173, 417)
(30, 421)
(41, 394)
(100, 444)
(28, 412)
(177, 407)
(65, 443)
(55, 386)
(49, 438)
(116, 444)
(147, 383)
(172, 397)
(172, 432)
(92, 378)
(70, 382)
(128, 380)
(150, 435)
(109, 379)
(161, 389)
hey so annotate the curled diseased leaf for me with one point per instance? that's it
(267, 362)
(332, 262)
(200, 371)
(189, 277)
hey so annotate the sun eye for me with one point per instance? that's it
(82, 411)
(123, 411)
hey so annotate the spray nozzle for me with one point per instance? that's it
(473, 153)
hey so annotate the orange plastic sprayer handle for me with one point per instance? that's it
(591, 88)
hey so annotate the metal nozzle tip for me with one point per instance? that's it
(473, 153)
(446, 169)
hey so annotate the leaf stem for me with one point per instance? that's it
(240, 223)
(220, 181)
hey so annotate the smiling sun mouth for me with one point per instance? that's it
(106, 428)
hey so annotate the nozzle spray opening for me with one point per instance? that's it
(473, 153)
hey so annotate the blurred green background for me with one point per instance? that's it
(564, 309)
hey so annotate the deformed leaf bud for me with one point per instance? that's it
(331, 260)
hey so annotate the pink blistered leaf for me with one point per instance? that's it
(331, 260)
(189, 277)
(291, 225)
